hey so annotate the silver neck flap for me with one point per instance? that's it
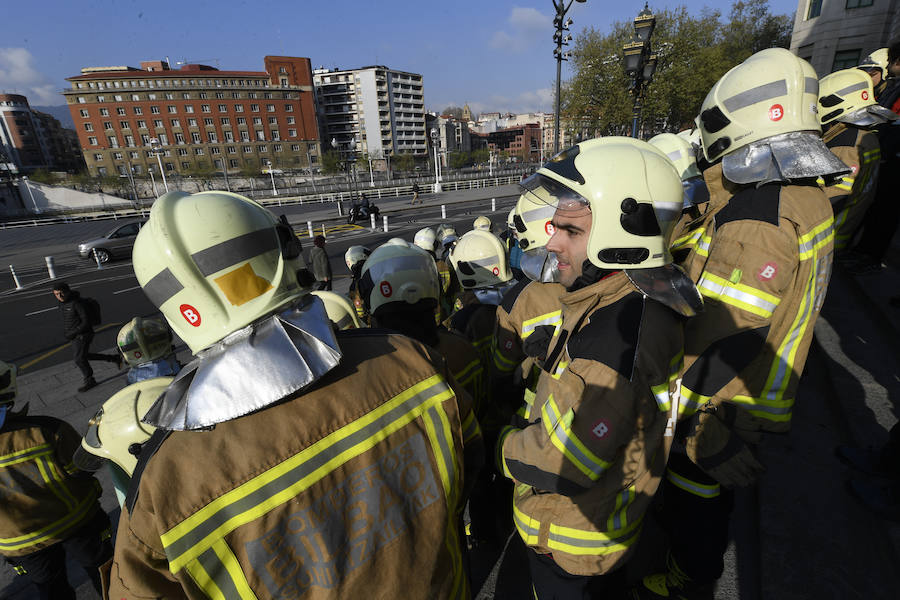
(783, 158)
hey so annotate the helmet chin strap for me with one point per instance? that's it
(590, 274)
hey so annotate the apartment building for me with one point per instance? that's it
(196, 118)
(377, 111)
(31, 140)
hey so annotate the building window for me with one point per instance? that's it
(235, 95)
(120, 111)
(212, 137)
(295, 147)
(195, 137)
(292, 133)
(204, 108)
(179, 138)
(192, 122)
(170, 96)
(185, 165)
(182, 152)
(229, 137)
(284, 82)
(254, 108)
(103, 112)
(238, 108)
(241, 121)
(251, 95)
(134, 154)
(113, 141)
(151, 96)
(98, 157)
(157, 123)
(142, 124)
(107, 124)
(260, 135)
(88, 127)
(273, 121)
(220, 95)
(129, 141)
(245, 136)
(117, 155)
(163, 139)
(231, 150)
(815, 9)
(208, 122)
(154, 110)
(277, 147)
(81, 100)
(101, 98)
(188, 108)
(263, 148)
(215, 150)
(222, 108)
(267, 95)
(845, 59)
(290, 120)
(225, 121)
(270, 107)
(233, 162)
(145, 139)
(859, 3)
(185, 95)
(289, 108)
(135, 97)
(101, 171)
(198, 151)
(276, 136)
(172, 109)
(246, 149)
(175, 123)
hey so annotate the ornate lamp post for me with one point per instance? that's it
(561, 40)
(640, 62)
(156, 149)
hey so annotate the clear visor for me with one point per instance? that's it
(542, 190)
(869, 116)
(540, 265)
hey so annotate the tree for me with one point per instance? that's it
(453, 111)
(331, 162)
(404, 162)
(44, 176)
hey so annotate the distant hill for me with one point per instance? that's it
(60, 112)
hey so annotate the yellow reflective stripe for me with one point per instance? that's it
(218, 573)
(581, 542)
(529, 403)
(60, 480)
(661, 390)
(690, 401)
(188, 539)
(686, 241)
(619, 518)
(560, 368)
(21, 456)
(53, 484)
(204, 581)
(816, 238)
(552, 318)
(694, 487)
(482, 341)
(872, 155)
(565, 440)
(469, 372)
(778, 410)
(470, 428)
(55, 529)
(503, 363)
(501, 464)
(846, 183)
(739, 295)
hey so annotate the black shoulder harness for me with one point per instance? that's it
(752, 204)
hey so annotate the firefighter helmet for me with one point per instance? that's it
(142, 340)
(398, 274)
(510, 223)
(446, 232)
(482, 223)
(214, 262)
(7, 383)
(340, 310)
(480, 260)
(356, 254)
(116, 428)
(679, 151)
(425, 239)
(847, 96)
(877, 60)
(396, 241)
(771, 93)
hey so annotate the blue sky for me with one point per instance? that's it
(494, 54)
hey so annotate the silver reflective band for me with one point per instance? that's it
(400, 263)
(483, 262)
(236, 250)
(811, 85)
(862, 85)
(673, 156)
(161, 287)
(776, 89)
(544, 212)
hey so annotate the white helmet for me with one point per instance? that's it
(398, 274)
(340, 310)
(7, 383)
(425, 239)
(446, 234)
(356, 254)
(480, 260)
(142, 340)
(679, 151)
(395, 241)
(847, 96)
(214, 262)
(876, 60)
(510, 224)
(482, 223)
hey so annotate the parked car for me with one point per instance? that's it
(115, 244)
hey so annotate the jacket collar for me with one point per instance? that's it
(606, 291)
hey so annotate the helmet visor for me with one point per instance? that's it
(868, 116)
(540, 265)
(542, 190)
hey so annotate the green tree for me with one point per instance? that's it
(331, 162)
(404, 162)
(43, 176)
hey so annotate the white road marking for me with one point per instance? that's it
(37, 312)
(137, 287)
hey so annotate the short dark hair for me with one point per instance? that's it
(894, 51)
(63, 287)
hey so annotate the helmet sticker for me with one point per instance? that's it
(600, 429)
(386, 289)
(865, 94)
(549, 228)
(190, 314)
(496, 270)
(767, 271)
(776, 111)
(137, 354)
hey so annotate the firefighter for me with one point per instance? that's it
(482, 223)
(355, 256)
(590, 457)
(50, 509)
(876, 66)
(146, 345)
(257, 481)
(848, 114)
(426, 239)
(761, 255)
(683, 155)
(340, 312)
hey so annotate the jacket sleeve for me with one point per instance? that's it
(577, 436)
(82, 324)
(66, 441)
(750, 267)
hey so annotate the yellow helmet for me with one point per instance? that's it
(770, 93)
(446, 234)
(480, 260)
(847, 96)
(510, 224)
(679, 151)
(356, 254)
(214, 262)
(876, 60)
(633, 191)
(398, 274)
(340, 310)
(117, 426)
(533, 221)
(8, 387)
(142, 340)
(396, 241)
(482, 223)
(425, 239)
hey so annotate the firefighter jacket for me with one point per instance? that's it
(349, 489)
(464, 364)
(44, 498)
(761, 258)
(852, 195)
(587, 463)
(475, 321)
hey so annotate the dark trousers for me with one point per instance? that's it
(81, 345)
(697, 526)
(883, 216)
(89, 546)
(550, 582)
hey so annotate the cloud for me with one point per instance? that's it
(540, 100)
(522, 26)
(18, 75)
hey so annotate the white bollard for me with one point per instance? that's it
(96, 258)
(51, 270)
(372, 220)
(384, 221)
(323, 229)
(443, 211)
(15, 277)
(493, 205)
(309, 229)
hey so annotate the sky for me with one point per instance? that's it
(495, 55)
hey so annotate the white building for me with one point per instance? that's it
(383, 110)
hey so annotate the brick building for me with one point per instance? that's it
(523, 142)
(202, 118)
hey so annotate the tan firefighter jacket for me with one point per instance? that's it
(350, 489)
(761, 258)
(464, 364)
(590, 458)
(43, 497)
(852, 195)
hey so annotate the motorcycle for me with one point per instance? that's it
(361, 212)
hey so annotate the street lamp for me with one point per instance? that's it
(157, 150)
(434, 144)
(152, 182)
(561, 40)
(30, 193)
(640, 62)
(272, 175)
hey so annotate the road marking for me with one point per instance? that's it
(137, 287)
(64, 346)
(37, 312)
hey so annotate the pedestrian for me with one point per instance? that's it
(588, 460)
(415, 190)
(320, 265)
(50, 509)
(78, 328)
(258, 483)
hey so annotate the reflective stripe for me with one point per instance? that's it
(576, 541)
(161, 287)
(872, 155)
(502, 363)
(54, 480)
(483, 262)
(543, 212)
(55, 529)
(468, 373)
(817, 237)
(811, 85)
(236, 250)
(560, 369)
(690, 401)
(856, 87)
(846, 183)
(403, 263)
(698, 489)
(344, 322)
(552, 318)
(565, 440)
(470, 428)
(661, 390)
(20, 456)
(697, 240)
(767, 91)
(193, 536)
(529, 403)
(218, 573)
(739, 295)
(619, 518)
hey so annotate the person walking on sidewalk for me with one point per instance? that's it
(416, 194)
(79, 329)
(321, 267)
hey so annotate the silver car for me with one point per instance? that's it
(115, 244)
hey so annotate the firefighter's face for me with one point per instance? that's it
(572, 227)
